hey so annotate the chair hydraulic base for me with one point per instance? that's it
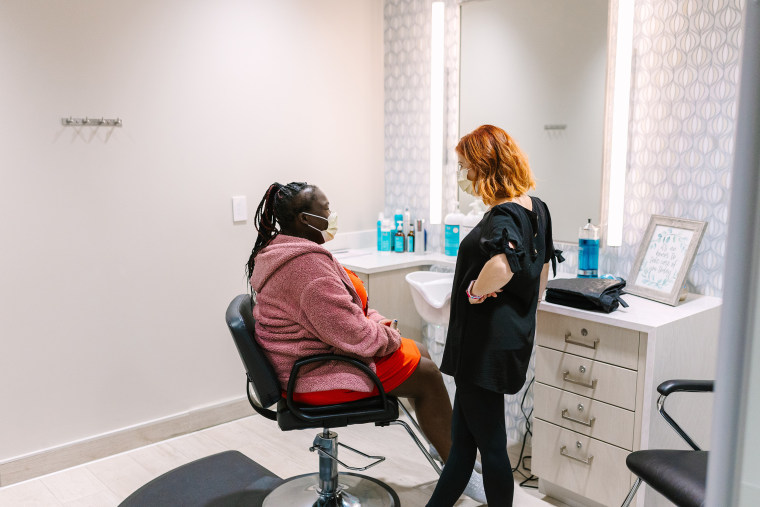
(354, 490)
(328, 488)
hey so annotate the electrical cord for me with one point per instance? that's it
(528, 431)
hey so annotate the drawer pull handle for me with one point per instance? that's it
(589, 423)
(563, 451)
(566, 378)
(592, 345)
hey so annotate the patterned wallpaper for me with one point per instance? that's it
(407, 108)
(683, 100)
(684, 90)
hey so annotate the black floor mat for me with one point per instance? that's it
(227, 479)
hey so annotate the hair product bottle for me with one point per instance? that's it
(588, 251)
(410, 238)
(420, 236)
(471, 219)
(379, 231)
(399, 239)
(385, 236)
(398, 219)
(452, 226)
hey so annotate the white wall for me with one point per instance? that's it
(530, 63)
(749, 493)
(118, 253)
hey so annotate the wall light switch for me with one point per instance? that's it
(239, 208)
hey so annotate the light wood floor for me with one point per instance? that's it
(108, 481)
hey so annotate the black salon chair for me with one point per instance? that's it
(680, 476)
(326, 487)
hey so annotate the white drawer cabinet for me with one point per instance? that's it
(592, 468)
(595, 379)
(594, 418)
(594, 397)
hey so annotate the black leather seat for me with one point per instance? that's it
(680, 476)
(327, 487)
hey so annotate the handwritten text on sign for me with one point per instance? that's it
(664, 258)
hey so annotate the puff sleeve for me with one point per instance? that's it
(502, 233)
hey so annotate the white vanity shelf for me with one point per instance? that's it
(595, 392)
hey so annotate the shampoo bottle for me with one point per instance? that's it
(471, 219)
(452, 225)
(399, 239)
(410, 238)
(398, 219)
(588, 251)
(379, 230)
(385, 236)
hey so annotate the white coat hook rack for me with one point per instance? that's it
(88, 122)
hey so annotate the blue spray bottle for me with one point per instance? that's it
(379, 231)
(588, 251)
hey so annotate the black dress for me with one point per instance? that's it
(490, 344)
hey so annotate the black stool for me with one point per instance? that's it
(680, 476)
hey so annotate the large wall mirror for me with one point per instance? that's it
(538, 69)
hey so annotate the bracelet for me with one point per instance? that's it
(470, 294)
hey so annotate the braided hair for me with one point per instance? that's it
(280, 206)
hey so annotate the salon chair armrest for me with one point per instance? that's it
(256, 404)
(680, 385)
(377, 404)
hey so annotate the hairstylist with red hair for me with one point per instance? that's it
(502, 268)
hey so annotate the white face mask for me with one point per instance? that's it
(464, 183)
(332, 225)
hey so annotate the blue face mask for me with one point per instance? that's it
(332, 225)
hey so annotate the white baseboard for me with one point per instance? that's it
(79, 452)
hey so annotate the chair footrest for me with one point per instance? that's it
(323, 452)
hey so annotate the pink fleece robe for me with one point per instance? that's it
(305, 305)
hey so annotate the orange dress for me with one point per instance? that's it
(392, 370)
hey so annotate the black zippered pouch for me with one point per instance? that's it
(600, 294)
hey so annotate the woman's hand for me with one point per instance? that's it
(474, 299)
(494, 275)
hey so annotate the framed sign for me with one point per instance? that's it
(665, 257)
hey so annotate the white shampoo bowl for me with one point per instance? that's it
(431, 293)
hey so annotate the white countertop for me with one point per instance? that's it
(642, 314)
(369, 260)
